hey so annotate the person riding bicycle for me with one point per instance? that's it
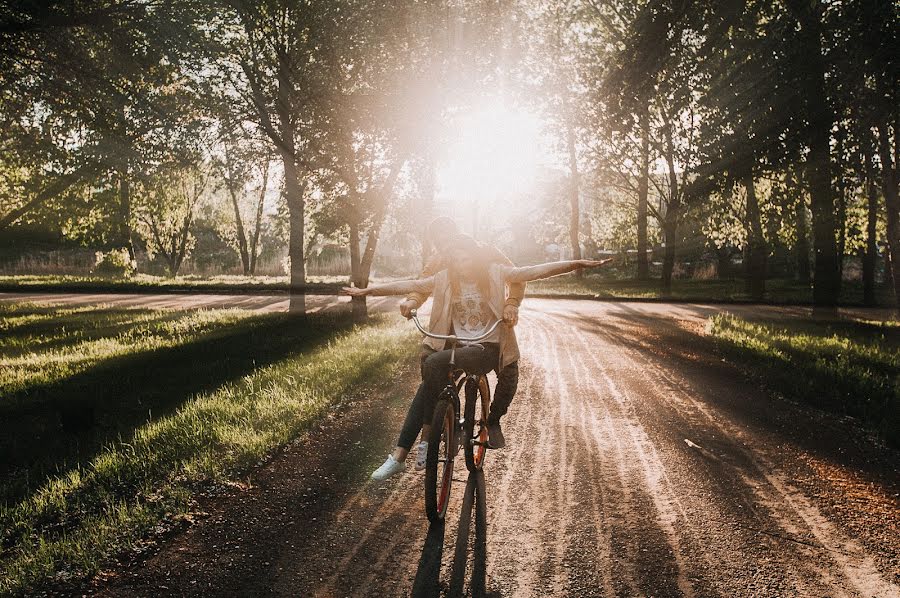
(469, 296)
(440, 232)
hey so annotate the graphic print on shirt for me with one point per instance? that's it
(471, 314)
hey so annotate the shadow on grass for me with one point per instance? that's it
(48, 429)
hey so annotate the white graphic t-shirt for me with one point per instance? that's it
(471, 314)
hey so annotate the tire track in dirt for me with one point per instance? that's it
(649, 476)
(529, 486)
(655, 383)
(590, 548)
(858, 573)
(769, 491)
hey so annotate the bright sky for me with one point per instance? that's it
(490, 162)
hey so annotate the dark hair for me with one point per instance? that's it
(461, 242)
(441, 222)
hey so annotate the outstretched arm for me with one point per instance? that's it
(401, 287)
(415, 299)
(529, 273)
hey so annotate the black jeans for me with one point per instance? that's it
(507, 382)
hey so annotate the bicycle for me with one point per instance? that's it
(451, 429)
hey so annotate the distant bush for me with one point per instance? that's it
(114, 263)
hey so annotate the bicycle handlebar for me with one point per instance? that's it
(452, 337)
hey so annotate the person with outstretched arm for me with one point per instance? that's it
(440, 233)
(469, 295)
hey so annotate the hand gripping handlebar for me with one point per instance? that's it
(453, 337)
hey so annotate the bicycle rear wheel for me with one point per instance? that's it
(478, 406)
(439, 460)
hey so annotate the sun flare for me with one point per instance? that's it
(491, 159)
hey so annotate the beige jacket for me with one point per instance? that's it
(500, 276)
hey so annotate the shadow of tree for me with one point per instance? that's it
(48, 429)
(728, 386)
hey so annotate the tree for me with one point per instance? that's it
(273, 59)
(166, 213)
(364, 135)
(93, 90)
(646, 103)
(818, 119)
(241, 157)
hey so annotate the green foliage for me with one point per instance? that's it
(851, 368)
(166, 212)
(116, 263)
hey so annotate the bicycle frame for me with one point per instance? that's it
(455, 383)
(459, 426)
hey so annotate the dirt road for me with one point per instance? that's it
(639, 464)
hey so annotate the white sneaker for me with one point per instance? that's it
(421, 455)
(390, 467)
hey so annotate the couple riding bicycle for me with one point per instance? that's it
(476, 295)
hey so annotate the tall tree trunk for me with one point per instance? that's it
(643, 265)
(670, 230)
(826, 284)
(802, 247)
(757, 266)
(670, 221)
(293, 189)
(892, 205)
(257, 223)
(361, 265)
(574, 203)
(239, 227)
(358, 304)
(364, 266)
(126, 234)
(871, 253)
(841, 197)
(123, 141)
(293, 192)
(723, 262)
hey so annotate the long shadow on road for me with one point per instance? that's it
(727, 388)
(427, 583)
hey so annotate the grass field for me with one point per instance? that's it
(730, 290)
(146, 282)
(110, 421)
(850, 368)
(591, 286)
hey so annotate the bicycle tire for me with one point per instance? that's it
(437, 488)
(478, 402)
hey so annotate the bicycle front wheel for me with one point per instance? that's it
(439, 461)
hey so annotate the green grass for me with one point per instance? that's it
(147, 282)
(848, 367)
(115, 419)
(730, 290)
